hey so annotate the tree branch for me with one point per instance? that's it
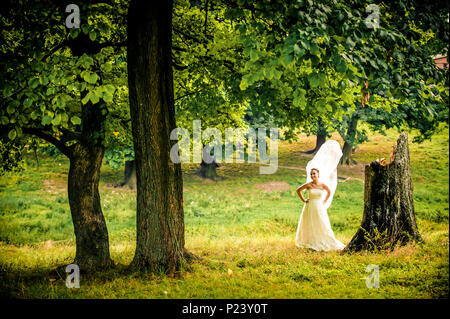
(69, 135)
(49, 138)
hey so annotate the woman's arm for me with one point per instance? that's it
(299, 192)
(325, 187)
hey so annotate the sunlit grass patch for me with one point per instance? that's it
(243, 227)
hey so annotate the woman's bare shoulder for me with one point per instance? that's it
(306, 185)
(323, 186)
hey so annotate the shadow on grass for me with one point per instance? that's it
(14, 282)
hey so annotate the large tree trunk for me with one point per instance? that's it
(346, 158)
(92, 243)
(389, 216)
(160, 218)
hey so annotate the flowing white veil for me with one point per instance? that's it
(326, 161)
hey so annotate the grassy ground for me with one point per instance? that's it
(243, 227)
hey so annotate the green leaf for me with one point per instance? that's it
(277, 74)
(244, 82)
(75, 120)
(43, 80)
(12, 134)
(107, 66)
(253, 55)
(33, 83)
(50, 91)
(27, 102)
(107, 97)
(321, 104)
(286, 59)
(46, 120)
(85, 75)
(92, 78)
(305, 44)
(94, 98)
(314, 49)
(57, 119)
(85, 28)
(347, 98)
(4, 120)
(299, 98)
(87, 61)
(313, 79)
(10, 109)
(110, 88)
(339, 38)
(74, 32)
(92, 35)
(322, 79)
(86, 98)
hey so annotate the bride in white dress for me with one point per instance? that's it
(314, 229)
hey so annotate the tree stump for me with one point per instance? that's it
(389, 217)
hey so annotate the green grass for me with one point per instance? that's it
(232, 224)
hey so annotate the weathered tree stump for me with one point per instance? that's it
(389, 217)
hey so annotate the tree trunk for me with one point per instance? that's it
(208, 170)
(346, 158)
(389, 216)
(92, 243)
(321, 137)
(129, 175)
(347, 151)
(160, 218)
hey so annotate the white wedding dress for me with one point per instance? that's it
(314, 229)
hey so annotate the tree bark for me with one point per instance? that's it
(389, 216)
(92, 243)
(160, 217)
